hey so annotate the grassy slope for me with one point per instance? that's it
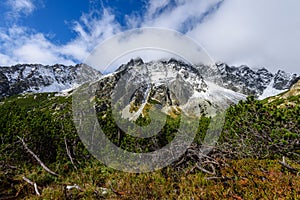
(252, 170)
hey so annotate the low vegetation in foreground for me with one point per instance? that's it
(257, 155)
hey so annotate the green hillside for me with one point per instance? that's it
(257, 155)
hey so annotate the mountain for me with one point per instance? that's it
(171, 84)
(38, 130)
(39, 78)
(258, 82)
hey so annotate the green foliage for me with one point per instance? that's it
(253, 128)
(260, 130)
(45, 122)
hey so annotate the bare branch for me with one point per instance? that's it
(69, 187)
(37, 158)
(218, 178)
(206, 171)
(284, 164)
(34, 185)
(69, 154)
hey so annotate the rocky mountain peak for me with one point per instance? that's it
(283, 80)
(258, 82)
(22, 78)
(135, 62)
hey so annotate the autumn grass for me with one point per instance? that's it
(240, 179)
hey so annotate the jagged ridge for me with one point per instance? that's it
(39, 78)
(258, 82)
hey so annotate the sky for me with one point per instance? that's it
(251, 32)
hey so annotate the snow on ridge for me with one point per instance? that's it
(270, 91)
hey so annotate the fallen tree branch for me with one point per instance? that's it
(69, 154)
(34, 185)
(69, 187)
(37, 158)
(217, 178)
(284, 164)
(117, 192)
(206, 171)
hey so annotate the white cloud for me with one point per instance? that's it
(23, 45)
(6, 60)
(155, 6)
(92, 29)
(22, 5)
(179, 16)
(257, 33)
(37, 49)
(19, 8)
(253, 32)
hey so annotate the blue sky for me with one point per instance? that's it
(55, 17)
(253, 32)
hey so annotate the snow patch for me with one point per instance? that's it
(270, 91)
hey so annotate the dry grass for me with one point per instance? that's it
(241, 179)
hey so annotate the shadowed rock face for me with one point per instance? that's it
(4, 85)
(39, 78)
(166, 81)
(283, 80)
(253, 81)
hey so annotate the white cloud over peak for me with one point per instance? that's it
(258, 33)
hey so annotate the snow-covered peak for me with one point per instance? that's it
(40, 78)
(172, 84)
(283, 80)
(243, 79)
(257, 81)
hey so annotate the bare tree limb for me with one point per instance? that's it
(284, 164)
(117, 192)
(218, 178)
(206, 171)
(69, 187)
(34, 185)
(69, 154)
(37, 158)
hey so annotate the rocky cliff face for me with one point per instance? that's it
(172, 85)
(258, 82)
(39, 78)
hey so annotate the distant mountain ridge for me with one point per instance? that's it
(37, 78)
(258, 82)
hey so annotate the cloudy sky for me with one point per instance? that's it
(253, 32)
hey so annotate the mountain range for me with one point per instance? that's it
(24, 78)
(242, 80)
(39, 128)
